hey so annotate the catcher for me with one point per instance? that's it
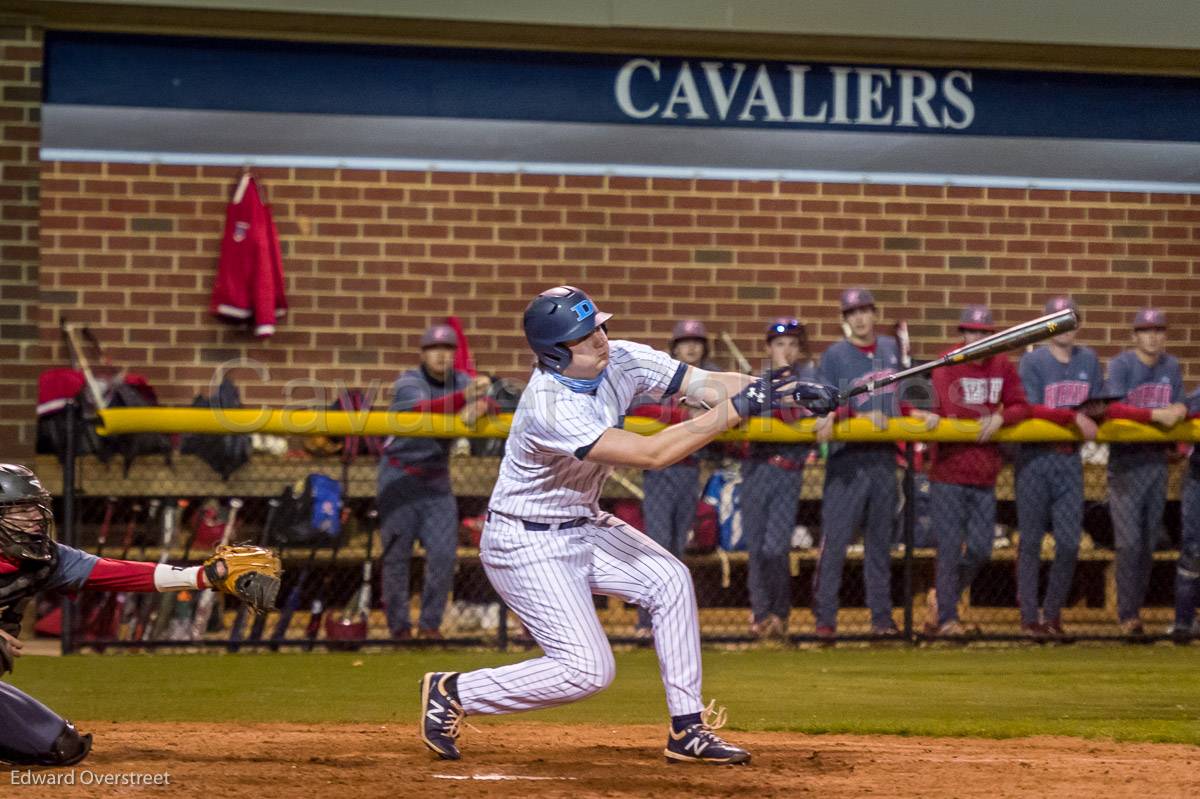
(32, 562)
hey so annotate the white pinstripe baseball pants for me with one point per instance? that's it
(548, 579)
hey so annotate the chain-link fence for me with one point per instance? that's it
(854, 541)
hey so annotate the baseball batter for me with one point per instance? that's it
(31, 562)
(547, 547)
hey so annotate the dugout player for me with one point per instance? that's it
(962, 479)
(1187, 568)
(414, 494)
(547, 547)
(671, 494)
(772, 478)
(860, 478)
(1151, 384)
(32, 734)
(1059, 379)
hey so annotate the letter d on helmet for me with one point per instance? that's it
(558, 315)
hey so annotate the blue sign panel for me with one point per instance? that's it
(116, 70)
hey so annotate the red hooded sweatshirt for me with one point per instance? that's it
(971, 391)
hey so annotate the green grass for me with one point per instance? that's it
(1122, 693)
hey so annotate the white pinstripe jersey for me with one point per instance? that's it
(543, 477)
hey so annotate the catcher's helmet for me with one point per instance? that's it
(560, 314)
(26, 519)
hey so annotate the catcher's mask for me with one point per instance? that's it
(26, 519)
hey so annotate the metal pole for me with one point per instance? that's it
(68, 536)
(910, 519)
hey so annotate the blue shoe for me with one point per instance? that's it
(441, 715)
(698, 743)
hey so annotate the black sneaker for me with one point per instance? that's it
(441, 715)
(698, 743)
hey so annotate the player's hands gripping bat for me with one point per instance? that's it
(1015, 337)
(204, 606)
(249, 573)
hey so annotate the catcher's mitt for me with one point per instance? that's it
(248, 572)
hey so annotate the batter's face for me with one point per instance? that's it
(784, 351)
(589, 355)
(689, 351)
(438, 361)
(862, 322)
(1150, 341)
(971, 336)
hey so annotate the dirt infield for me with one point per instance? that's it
(536, 759)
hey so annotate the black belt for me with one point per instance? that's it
(539, 527)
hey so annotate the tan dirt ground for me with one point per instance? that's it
(351, 761)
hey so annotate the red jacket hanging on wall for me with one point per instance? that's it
(249, 285)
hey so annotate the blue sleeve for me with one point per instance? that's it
(1031, 378)
(1118, 376)
(74, 568)
(1193, 403)
(1097, 382)
(1177, 393)
(408, 391)
(825, 370)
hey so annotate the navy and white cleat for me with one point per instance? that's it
(699, 743)
(441, 715)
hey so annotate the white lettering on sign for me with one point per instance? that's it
(740, 92)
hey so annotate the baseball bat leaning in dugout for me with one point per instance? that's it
(742, 363)
(1015, 337)
(630, 486)
(204, 606)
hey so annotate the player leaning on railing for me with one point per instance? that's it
(547, 546)
(32, 562)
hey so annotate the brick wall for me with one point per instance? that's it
(20, 99)
(373, 257)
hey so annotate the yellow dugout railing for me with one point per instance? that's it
(289, 421)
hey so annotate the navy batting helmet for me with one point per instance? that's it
(560, 314)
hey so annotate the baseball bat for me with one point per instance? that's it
(204, 606)
(354, 620)
(628, 485)
(905, 343)
(92, 606)
(260, 619)
(742, 363)
(114, 604)
(1015, 337)
(110, 505)
(161, 627)
(319, 604)
(134, 603)
(147, 616)
(293, 600)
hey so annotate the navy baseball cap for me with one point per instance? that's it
(856, 298)
(558, 315)
(1149, 318)
(439, 336)
(976, 317)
